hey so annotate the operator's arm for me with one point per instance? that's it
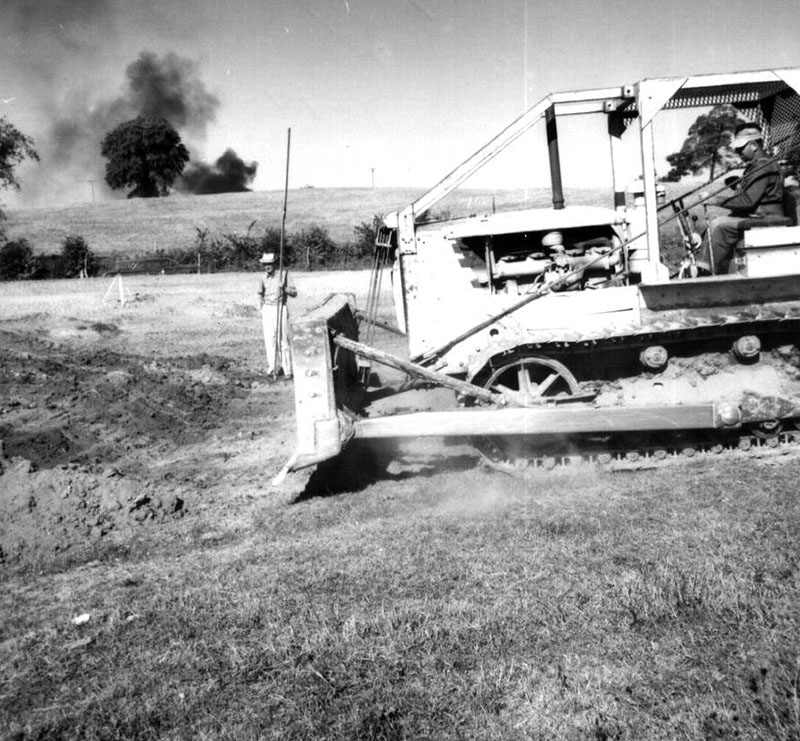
(261, 290)
(290, 289)
(718, 200)
(755, 184)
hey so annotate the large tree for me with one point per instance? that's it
(76, 257)
(146, 153)
(707, 144)
(16, 259)
(14, 147)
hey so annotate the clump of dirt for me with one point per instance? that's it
(101, 327)
(46, 514)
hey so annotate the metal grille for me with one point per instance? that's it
(784, 129)
(743, 96)
(756, 116)
(773, 106)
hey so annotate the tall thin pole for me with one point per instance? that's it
(525, 56)
(281, 275)
(285, 199)
(525, 71)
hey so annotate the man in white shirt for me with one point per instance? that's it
(273, 289)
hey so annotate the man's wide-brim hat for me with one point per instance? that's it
(267, 258)
(745, 133)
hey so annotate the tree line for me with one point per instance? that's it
(310, 248)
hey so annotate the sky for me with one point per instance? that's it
(387, 93)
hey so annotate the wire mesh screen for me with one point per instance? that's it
(784, 130)
(743, 95)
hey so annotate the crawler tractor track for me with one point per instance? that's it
(601, 359)
(775, 325)
(616, 458)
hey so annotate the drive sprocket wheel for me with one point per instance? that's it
(526, 381)
(532, 380)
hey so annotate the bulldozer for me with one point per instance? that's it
(562, 334)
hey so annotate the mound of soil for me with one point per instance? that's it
(47, 513)
(96, 444)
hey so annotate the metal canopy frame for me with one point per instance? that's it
(768, 97)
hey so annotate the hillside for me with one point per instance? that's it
(142, 226)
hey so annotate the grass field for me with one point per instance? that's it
(139, 227)
(456, 606)
(429, 599)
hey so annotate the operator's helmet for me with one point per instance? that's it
(745, 133)
(268, 258)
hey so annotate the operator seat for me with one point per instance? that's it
(791, 217)
(791, 204)
(791, 212)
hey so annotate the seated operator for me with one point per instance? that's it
(758, 195)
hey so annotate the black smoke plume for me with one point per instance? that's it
(170, 88)
(167, 87)
(229, 174)
(52, 49)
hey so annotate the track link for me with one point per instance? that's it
(642, 457)
(677, 328)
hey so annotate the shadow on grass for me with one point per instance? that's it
(362, 464)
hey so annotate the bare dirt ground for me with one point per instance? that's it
(118, 420)
(124, 424)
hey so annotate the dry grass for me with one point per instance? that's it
(456, 606)
(141, 226)
(164, 314)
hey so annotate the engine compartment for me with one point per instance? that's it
(574, 258)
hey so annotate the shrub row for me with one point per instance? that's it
(17, 261)
(308, 249)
